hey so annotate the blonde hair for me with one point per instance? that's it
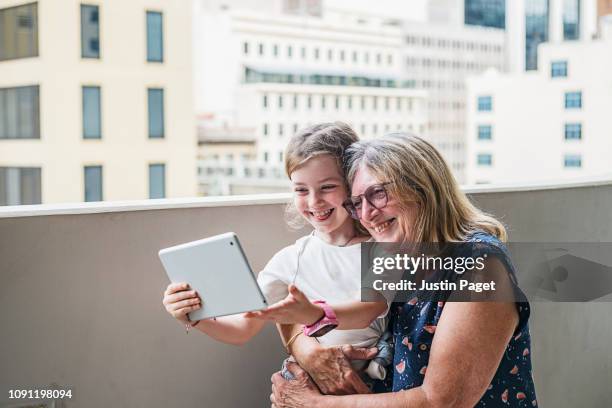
(417, 172)
(330, 138)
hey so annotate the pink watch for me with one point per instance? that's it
(325, 324)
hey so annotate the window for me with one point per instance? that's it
(295, 101)
(156, 112)
(573, 131)
(558, 69)
(280, 101)
(280, 157)
(573, 100)
(275, 50)
(281, 129)
(337, 102)
(323, 98)
(245, 48)
(484, 132)
(19, 113)
(265, 129)
(485, 104)
(572, 160)
(484, 159)
(265, 157)
(93, 183)
(157, 181)
(309, 102)
(92, 122)
(20, 185)
(264, 101)
(316, 53)
(289, 51)
(90, 31)
(261, 49)
(155, 37)
(19, 32)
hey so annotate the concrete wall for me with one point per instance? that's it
(80, 304)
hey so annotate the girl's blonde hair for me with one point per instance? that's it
(417, 172)
(331, 138)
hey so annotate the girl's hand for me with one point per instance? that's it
(294, 309)
(179, 300)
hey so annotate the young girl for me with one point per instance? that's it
(325, 264)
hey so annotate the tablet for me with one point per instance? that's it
(218, 270)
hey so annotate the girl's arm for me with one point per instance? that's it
(179, 300)
(296, 308)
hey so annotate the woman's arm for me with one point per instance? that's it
(329, 367)
(469, 343)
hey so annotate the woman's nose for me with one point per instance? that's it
(368, 211)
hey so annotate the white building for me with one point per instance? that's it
(95, 101)
(553, 123)
(438, 58)
(277, 73)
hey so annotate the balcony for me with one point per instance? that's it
(82, 286)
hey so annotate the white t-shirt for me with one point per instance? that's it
(326, 272)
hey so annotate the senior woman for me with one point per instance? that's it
(447, 354)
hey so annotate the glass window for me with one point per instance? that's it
(573, 131)
(280, 101)
(156, 112)
(20, 185)
(558, 69)
(157, 180)
(90, 31)
(264, 101)
(19, 32)
(155, 37)
(572, 160)
(265, 129)
(484, 132)
(485, 103)
(484, 159)
(93, 183)
(573, 100)
(92, 122)
(20, 113)
(571, 19)
(245, 48)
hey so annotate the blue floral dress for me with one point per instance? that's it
(414, 326)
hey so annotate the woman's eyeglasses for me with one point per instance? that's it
(375, 195)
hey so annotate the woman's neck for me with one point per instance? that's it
(342, 236)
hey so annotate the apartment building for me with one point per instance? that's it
(552, 123)
(95, 101)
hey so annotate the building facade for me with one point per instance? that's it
(278, 73)
(551, 123)
(530, 23)
(95, 101)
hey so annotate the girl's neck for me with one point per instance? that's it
(343, 236)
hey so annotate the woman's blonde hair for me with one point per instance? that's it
(417, 172)
(330, 138)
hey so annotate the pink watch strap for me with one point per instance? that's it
(325, 324)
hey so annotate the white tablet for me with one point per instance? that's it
(218, 270)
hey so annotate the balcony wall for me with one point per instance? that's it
(81, 291)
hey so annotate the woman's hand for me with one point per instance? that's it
(331, 370)
(298, 393)
(294, 309)
(179, 300)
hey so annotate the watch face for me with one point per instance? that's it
(324, 329)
